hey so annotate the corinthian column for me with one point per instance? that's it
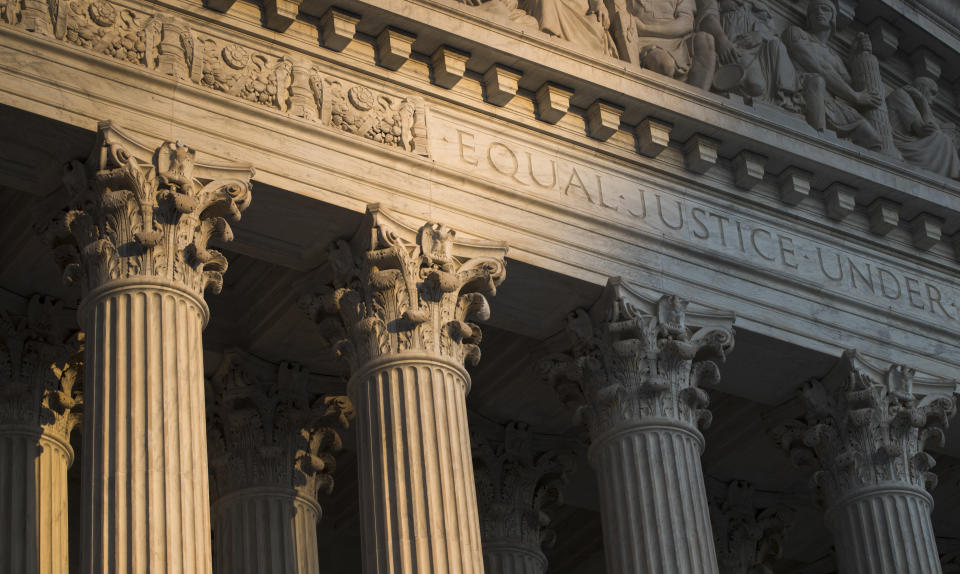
(39, 400)
(634, 378)
(400, 308)
(515, 488)
(272, 446)
(135, 239)
(864, 433)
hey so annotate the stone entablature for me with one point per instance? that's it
(570, 214)
(210, 60)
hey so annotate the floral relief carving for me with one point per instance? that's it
(516, 488)
(41, 370)
(287, 83)
(749, 538)
(864, 426)
(141, 212)
(397, 290)
(634, 359)
(268, 427)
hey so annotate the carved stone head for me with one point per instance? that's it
(821, 15)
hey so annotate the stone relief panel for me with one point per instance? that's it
(287, 83)
(739, 47)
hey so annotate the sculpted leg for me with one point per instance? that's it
(704, 61)
(754, 83)
(658, 60)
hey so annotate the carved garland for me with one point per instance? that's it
(167, 44)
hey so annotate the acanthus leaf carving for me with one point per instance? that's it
(268, 427)
(41, 370)
(749, 538)
(634, 358)
(517, 487)
(864, 426)
(396, 290)
(137, 212)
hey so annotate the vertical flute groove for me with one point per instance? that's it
(653, 503)
(422, 512)
(146, 463)
(885, 532)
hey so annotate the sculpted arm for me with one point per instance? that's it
(710, 23)
(806, 57)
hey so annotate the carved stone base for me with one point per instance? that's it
(146, 500)
(418, 503)
(653, 501)
(885, 530)
(265, 530)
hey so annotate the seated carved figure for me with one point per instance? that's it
(754, 62)
(584, 23)
(831, 101)
(505, 9)
(916, 132)
(661, 35)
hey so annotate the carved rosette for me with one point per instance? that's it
(41, 370)
(748, 538)
(865, 427)
(136, 212)
(268, 428)
(516, 486)
(397, 290)
(635, 359)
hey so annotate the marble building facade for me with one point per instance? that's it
(503, 286)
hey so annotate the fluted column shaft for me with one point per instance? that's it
(653, 500)
(418, 502)
(885, 530)
(265, 530)
(146, 499)
(512, 559)
(33, 501)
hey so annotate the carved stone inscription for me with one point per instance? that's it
(682, 221)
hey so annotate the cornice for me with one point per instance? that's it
(77, 86)
(595, 78)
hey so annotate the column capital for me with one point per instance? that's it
(864, 426)
(748, 537)
(147, 213)
(516, 486)
(270, 427)
(401, 289)
(638, 359)
(41, 369)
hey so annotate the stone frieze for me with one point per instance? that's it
(285, 82)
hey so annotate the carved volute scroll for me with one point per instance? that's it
(865, 427)
(266, 427)
(749, 538)
(516, 487)
(147, 213)
(398, 290)
(635, 359)
(41, 366)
